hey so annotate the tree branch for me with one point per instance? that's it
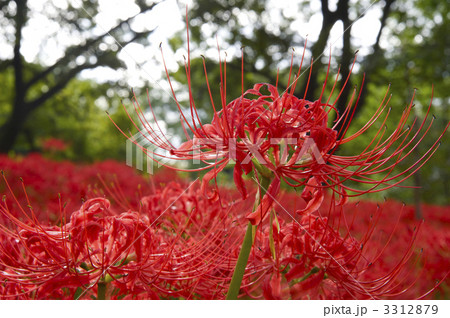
(73, 52)
(32, 105)
(325, 10)
(372, 61)
(328, 21)
(347, 53)
(19, 20)
(103, 60)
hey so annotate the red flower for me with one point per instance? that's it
(181, 244)
(310, 259)
(54, 144)
(149, 254)
(291, 138)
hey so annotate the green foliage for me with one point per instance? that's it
(413, 55)
(7, 94)
(71, 43)
(417, 61)
(74, 116)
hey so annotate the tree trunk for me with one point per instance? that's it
(372, 61)
(317, 50)
(346, 62)
(11, 128)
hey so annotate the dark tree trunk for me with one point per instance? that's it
(373, 60)
(11, 129)
(369, 65)
(317, 50)
(346, 62)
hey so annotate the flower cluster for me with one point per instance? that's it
(46, 181)
(180, 241)
(282, 138)
(184, 253)
(291, 140)
(54, 145)
(179, 244)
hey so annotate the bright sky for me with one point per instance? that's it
(44, 40)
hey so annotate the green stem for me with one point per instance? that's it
(238, 275)
(311, 272)
(241, 264)
(101, 291)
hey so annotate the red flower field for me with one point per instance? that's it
(102, 231)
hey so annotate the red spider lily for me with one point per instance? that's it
(54, 145)
(309, 259)
(189, 252)
(181, 244)
(431, 241)
(291, 138)
(37, 181)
